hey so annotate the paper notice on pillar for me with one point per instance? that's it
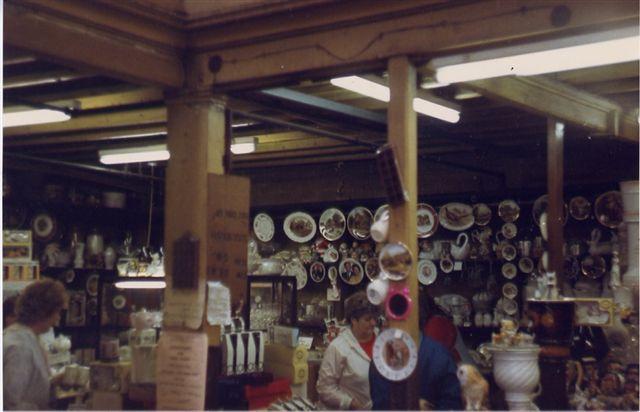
(181, 371)
(184, 309)
(228, 232)
(218, 304)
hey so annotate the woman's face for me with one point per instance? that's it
(362, 327)
(54, 319)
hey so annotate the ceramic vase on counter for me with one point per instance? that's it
(516, 372)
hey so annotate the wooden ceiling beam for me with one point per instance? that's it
(30, 26)
(561, 101)
(131, 133)
(356, 46)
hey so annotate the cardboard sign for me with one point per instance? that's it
(181, 369)
(228, 233)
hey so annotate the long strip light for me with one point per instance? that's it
(569, 53)
(30, 117)
(153, 153)
(141, 284)
(381, 92)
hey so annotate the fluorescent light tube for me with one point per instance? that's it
(381, 92)
(436, 110)
(243, 145)
(153, 153)
(30, 117)
(364, 87)
(570, 53)
(141, 284)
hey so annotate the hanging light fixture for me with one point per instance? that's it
(32, 117)
(151, 153)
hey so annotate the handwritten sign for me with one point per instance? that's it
(228, 232)
(181, 370)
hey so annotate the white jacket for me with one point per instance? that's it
(25, 371)
(344, 374)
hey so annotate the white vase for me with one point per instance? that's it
(109, 258)
(631, 277)
(517, 373)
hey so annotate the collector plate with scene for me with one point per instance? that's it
(351, 271)
(297, 269)
(427, 272)
(380, 211)
(541, 205)
(371, 268)
(579, 208)
(456, 216)
(332, 224)
(508, 210)
(263, 227)
(359, 223)
(608, 209)
(427, 220)
(482, 214)
(299, 227)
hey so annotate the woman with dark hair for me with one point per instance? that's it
(343, 379)
(26, 380)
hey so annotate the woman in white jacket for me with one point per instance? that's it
(343, 381)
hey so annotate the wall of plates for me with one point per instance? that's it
(478, 260)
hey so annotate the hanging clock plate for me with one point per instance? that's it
(395, 354)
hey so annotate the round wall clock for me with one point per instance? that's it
(395, 354)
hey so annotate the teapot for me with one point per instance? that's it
(460, 248)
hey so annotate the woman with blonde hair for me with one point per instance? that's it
(26, 380)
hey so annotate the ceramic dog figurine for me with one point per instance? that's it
(475, 389)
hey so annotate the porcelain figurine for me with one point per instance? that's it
(475, 389)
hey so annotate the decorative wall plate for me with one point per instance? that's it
(482, 214)
(509, 270)
(299, 227)
(525, 264)
(331, 254)
(263, 227)
(509, 210)
(427, 220)
(395, 354)
(540, 206)
(317, 271)
(395, 261)
(359, 223)
(509, 290)
(593, 266)
(69, 275)
(44, 227)
(509, 306)
(509, 252)
(608, 209)
(92, 284)
(427, 272)
(351, 271)
(456, 216)
(119, 302)
(332, 224)
(371, 268)
(579, 208)
(297, 269)
(509, 230)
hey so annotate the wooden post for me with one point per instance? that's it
(196, 130)
(555, 210)
(402, 135)
(553, 357)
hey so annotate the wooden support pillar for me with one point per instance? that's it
(402, 135)
(555, 210)
(196, 130)
(555, 353)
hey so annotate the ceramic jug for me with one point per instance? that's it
(460, 248)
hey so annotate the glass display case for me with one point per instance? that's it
(272, 301)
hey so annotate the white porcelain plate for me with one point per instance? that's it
(395, 354)
(359, 223)
(351, 271)
(299, 227)
(380, 211)
(456, 216)
(297, 269)
(608, 209)
(332, 224)
(509, 211)
(427, 220)
(427, 272)
(263, 227)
